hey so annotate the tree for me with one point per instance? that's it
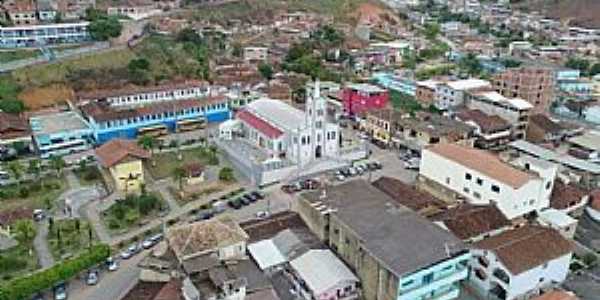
(179, 175)
(57, 163)
(189, 35)
(25, 231)
(138, 71)
(470, 64)
(577, 63)
(103, 27)
(266, 71)
(226, 174)
(595, 69)
(12, 106)
(431, 31)
(148, 142)
(35, 169)
(16, 169)
(236, 50)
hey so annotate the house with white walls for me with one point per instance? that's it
(481, 178)
(517, 264)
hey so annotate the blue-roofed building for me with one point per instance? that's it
(60, 134)
(394, 82)
(159, 118)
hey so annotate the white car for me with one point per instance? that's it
(125, 254)
(353, 171)
(340, 177)
(111, 264)
(147, 243)
(262, 214)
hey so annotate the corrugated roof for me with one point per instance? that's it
(321, 270)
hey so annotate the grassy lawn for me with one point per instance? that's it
(32, 194)
(42, 75)
(68, 237)
(165, 163)
(133, 211)
(89, 175)
(7, 56)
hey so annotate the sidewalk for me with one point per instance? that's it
(40, 244)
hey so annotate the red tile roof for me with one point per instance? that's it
(117, 150)
(556, 295)
(13, 126)
(259, 124)
(526, 247)
(468, 221)
(566, 195)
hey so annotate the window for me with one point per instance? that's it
(495, 188)
(479, 181)
(428, 278)
(468, 176)
(477, 195)
(447, 180)
(466, 190)
(548, 185)
(407, 283)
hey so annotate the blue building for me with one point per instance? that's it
(570, 81)
(396, 253)
(396, 83)
(160, 118)
(42, 35)
(60, 134)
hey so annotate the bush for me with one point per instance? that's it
(10, 263)
(23, 192)
(24, 287)
(226, 174)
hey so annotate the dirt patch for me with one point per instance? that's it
(48, 96)
(370, 13)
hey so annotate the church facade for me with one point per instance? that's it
(286, 132)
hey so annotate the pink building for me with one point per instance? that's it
(360, 98)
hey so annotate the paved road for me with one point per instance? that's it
(40, 244)
(113, 285)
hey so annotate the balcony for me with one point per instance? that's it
(501, 275)
(438, 283)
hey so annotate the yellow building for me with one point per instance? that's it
(123, 159)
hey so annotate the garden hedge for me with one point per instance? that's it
(22, 288)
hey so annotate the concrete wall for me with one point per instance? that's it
(513, 202)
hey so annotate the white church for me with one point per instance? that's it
(285, 133)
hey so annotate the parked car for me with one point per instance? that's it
(258, 195)
(218, 207)
(250, 198)
(4, 175)
(125, 254)
(243, 201)
(204, 215)
(112, 264)
(60, 291)
(92, 277)
(39, 215)
(37, 296)
(148, 243)
(262, 214)
(157, 238)
(340, 177)
(352, 171)
(235, 204)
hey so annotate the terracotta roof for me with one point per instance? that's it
(170, 291)
(133, 90)
(259, 124)
(545, 123)
(487, 123)
(595, 199)
(468, 221)
(102, 112)
(483, 162)
(526, 247)
(114, 151)
(566, 195)
(556, 295)
(407, 195)
(210, 235)
(12, 126)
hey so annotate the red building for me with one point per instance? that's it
(360, 98)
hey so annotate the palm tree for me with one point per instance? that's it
(58, 164)
(16, 169)
(179, 175)
(148, 142)
(35, 169)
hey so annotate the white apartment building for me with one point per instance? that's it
(452, 94)
(481, 178)
(514, 110)
(517, 264)
(256, 53)
(145, 95)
